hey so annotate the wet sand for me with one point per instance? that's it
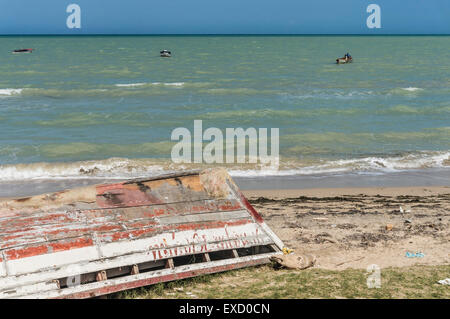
(357, 227)
(404, 179)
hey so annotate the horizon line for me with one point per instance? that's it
(228, 34)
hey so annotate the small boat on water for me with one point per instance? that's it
(165, 53)
(344, 60)
(23, 51)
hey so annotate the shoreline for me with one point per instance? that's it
(349, 191)
(275, 194)
(403, 182)
(409, 178)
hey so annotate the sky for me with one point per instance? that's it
(225, 17)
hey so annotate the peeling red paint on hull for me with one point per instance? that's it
(130, 234)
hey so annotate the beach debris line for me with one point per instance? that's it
(106, 238)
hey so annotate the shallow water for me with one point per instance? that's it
(101, 107)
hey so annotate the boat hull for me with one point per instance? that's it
(106, 238)
(23, 51)
(343, 61)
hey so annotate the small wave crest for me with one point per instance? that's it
(169, 83)
(10, 92)
(150, 84)
(118, 89)
(120, 168)
(406, 91)
(129, 84)
(412, 89)
(356, 165)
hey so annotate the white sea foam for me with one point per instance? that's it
(9, 92)
(412, 89)
(176, 84)
(130, 84)
(169, 83)
(122, 168)
(113, 168)
(421, 160)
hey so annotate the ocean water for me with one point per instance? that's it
(105, 107)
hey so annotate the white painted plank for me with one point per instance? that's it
(3, 271)
(29, 289)
(151, 274)
(180, 238)
(50, 273)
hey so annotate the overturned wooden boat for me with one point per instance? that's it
(101, 239)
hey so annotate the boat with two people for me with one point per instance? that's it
(346, 59)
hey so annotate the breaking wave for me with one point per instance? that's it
(150, 84)
(130, 84)
(114, 90)
(10, 92)
(412, 89)
(124, 168)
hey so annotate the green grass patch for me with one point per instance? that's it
(265, 282)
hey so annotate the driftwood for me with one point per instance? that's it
(293, 261)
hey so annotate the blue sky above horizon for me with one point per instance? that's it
(225, 17)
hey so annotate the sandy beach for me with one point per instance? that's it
(356, 227)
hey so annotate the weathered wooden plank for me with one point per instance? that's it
(47, 248)
(43, 218)
(170, 190)
(82, 225)
(29, 289)
(37, 269)
(149, 278)
(2, 265)
(218, 216)
(52, 233)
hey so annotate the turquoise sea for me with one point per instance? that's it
(92, 106)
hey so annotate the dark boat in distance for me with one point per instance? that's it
(344, 60)
(165, 53)
(23, 51)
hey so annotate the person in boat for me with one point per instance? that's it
(347, 56)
